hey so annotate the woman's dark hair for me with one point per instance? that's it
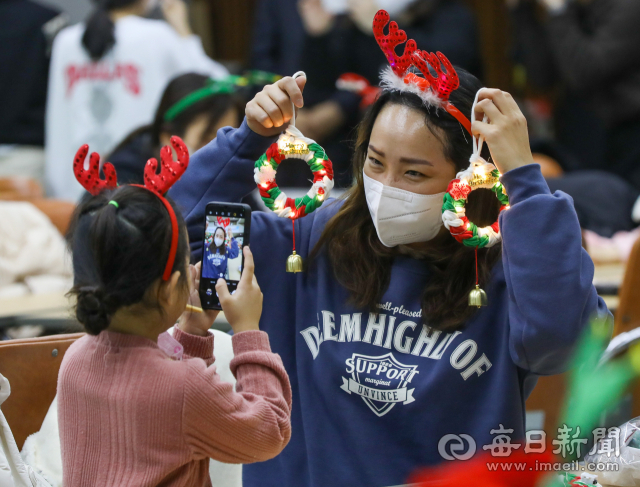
(363, 265)
(214, 107)
(223, 247)
(98, 35)
(119, 250)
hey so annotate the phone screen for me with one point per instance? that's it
(226, 232)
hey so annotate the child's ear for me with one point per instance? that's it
(170, 291)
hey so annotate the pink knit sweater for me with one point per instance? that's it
(130, 415)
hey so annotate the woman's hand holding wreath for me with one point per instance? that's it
(505, 132)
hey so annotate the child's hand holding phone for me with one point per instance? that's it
(192, 322)
(243, 308)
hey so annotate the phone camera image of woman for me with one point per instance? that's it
(222, 257)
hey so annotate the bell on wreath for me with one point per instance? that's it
(294, 263)
(477, 297)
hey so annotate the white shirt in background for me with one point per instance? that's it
(101, 103)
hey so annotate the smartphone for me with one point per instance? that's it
(226, 231)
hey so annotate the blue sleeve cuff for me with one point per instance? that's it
(524, 182)
(254, 145)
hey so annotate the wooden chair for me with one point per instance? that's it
(58, 211)
(20, 189)
(26, 189)
(32, 366)
(628, 314)
(548, 397)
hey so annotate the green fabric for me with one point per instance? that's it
(498, 190)
(304, 202)
(260, 162)
(594, 388)
(314, 204)
(448, 203)
(318, 151)
(274, 192)
(476, 240)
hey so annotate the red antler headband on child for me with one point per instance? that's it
(433, 90)
(158, 184)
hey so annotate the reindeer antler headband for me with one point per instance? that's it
(158, 184)
(433, 90)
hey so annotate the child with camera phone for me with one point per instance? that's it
(137, 406)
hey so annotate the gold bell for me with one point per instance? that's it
(294, 263)
(477, 297)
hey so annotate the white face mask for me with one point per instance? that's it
(218, 241)
(402, 217)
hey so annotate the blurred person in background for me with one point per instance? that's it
(605, 203)
(339, 39)
(193, 107)
(608, 209)
(107, 76)
(274, 48)
(591, 48)
(27, 31)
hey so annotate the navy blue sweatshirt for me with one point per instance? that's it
(215, 264)
(375, 393)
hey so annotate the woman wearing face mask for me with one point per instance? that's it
(218, 253)
(391, 369)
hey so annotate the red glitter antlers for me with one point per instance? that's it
(170, 170)
(158, 184)
(90, 178)
(389, 42)
(446, 80)
(440, 86)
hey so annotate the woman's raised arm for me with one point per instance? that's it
(549, 275)
(220, 171)
(223, 169)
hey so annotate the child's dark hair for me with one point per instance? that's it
(120, 242)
